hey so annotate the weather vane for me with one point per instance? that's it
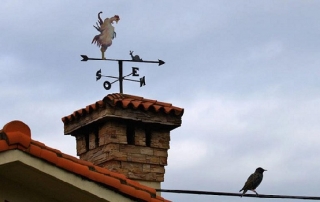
(103, 41)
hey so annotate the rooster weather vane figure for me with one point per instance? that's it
(107, 33)
(104, 41)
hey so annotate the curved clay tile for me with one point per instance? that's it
(89, 109)
(178, 111)
(146, 105)
(125, 103)
(14, 126)
(17, 132)
(93, 106)
(80, 112)
(156, 108)
(168, 110)
(136, 104)
(100, 103)
(70, 117)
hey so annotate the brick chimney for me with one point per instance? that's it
(126, 134)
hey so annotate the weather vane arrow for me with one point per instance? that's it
(86, 58)
(121, 78)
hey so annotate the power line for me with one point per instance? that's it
(237, 194)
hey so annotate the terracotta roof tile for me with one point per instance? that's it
(18, 138)
(136, 103)
(167, 109)
(3, 145)
(34, 150)
(49, 156)
(17, 126)
(126, 101)
(115, 183)
(71, 158)
(157, 108)
(146, 105)
(86, 163)
(102, 170)
(137, 185)
(37, 143)
(143, 195)
(82, 170)
(164, 104)
(118, 176)
(129, 190)
(149, 100)
(17, 135)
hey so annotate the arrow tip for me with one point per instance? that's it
(161, 62)
(84, 58)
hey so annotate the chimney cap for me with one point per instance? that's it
(123, 101)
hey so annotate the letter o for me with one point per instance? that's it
(107, 85)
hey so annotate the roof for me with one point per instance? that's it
(16, 135)
(126, 101)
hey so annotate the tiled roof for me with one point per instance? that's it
(126, 101)
(16, 135)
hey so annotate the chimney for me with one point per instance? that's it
(126, 134)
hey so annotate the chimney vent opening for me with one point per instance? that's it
(148, 138)
(130, 134)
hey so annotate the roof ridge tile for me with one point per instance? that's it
(17, 132)
(18, 138)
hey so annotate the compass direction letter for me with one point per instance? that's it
(107, 85)
(135, 71)
(142, 81)
(98, 75)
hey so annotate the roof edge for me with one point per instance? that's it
(16, 135)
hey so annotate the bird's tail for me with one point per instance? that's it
(95, 40)
(244, 191)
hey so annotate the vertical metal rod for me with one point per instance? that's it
(120, 76)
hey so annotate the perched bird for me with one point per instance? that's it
(253, 181)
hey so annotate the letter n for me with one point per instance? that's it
(142, 81)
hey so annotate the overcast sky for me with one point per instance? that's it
(245, 71)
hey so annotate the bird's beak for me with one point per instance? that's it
(264, 170)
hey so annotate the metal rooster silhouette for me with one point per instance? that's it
(107, 33)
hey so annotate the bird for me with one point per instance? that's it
(253, 181)
(107, 33)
